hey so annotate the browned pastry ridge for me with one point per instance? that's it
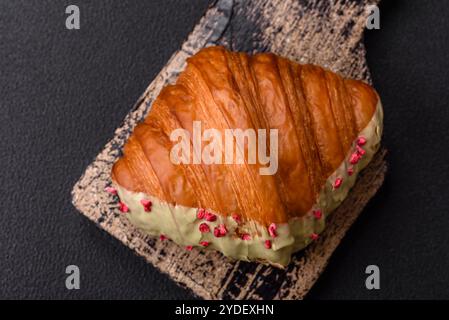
(317, 112)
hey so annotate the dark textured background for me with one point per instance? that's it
(62, 94)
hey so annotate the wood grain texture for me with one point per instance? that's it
(328, 33)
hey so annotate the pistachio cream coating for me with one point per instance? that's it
(245, 240)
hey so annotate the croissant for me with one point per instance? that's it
(247, 154)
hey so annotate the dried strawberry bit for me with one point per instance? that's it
(245, 236)
(146, 205)
(314, 236)
(361, 141)
(111, 190)
(337, 183)
(350, 171)
(267, 244)
(220, 231)
(317, 214)
(354, 158)
(189, 248)
(204, 228)
(272, 230)
(123, 207)
(204, 243)
(236, 218)
(201, 214)
(360, 151)
(210, 216)
(162, 237)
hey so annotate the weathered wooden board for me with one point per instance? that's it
(328, 33)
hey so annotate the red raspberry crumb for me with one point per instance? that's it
(361, 141)
(317, 214)
(350, 171)
(360, 151)
(267, 244)
(223, 229)
(210, 216)
(220, 231)
(201, 213)
(338, 183)
(236, 218)
(354, 158)
(246, 236)
(204, 228)
(204, 243)
(146, 205)
(123, 207)
(111, 190)
(272, 230)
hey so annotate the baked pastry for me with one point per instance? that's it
(323, 130)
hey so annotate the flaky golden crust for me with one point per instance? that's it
(317, 112)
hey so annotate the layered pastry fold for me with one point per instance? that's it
(305, 132)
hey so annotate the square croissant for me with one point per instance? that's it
(247, 154)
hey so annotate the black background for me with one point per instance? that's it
(62, 94)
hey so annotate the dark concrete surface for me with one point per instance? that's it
(62, 94)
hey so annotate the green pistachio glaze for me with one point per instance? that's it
(181, 225)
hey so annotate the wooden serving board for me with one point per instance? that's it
(328, 33)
